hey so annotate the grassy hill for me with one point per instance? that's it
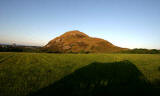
(78, 42)
(41, 74)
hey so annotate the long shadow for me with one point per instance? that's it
(100, 79)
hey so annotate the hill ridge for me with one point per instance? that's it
(79, 42)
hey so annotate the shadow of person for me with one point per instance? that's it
(99, 79)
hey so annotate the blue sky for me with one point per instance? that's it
(125, 23)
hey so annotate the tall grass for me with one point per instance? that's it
(22, 73)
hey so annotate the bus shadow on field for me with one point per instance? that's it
(99, 79)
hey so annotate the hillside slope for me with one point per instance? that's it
(78, 42)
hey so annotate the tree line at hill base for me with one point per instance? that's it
(142, 51)
(35, 49)
(11, 48)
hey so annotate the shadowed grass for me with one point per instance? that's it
(99, 79)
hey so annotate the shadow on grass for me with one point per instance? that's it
(99, 79)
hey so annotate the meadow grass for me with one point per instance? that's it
(23, 73)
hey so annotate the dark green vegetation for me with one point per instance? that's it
(11, 48)
(42, 74)
(37, 49)
(142, 51)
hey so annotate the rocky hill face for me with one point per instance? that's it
(78, 42)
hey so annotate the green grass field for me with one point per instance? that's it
(22, 74)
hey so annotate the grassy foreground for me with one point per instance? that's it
(85, 74)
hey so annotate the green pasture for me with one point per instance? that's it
(23, 74)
